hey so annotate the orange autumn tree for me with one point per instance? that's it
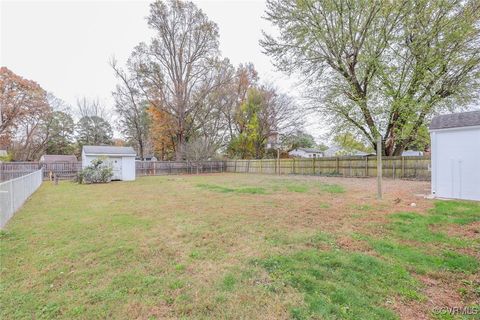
(24, 108)
(162, 133)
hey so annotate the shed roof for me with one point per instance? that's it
(50, 158)
(456, 120)
(110, 150)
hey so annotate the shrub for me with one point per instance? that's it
(98, 171)
(6, 158)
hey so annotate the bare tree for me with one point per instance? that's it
(200, 149)
(131, 106)
(91, 107)
(176, 70)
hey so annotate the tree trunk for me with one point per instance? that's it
(399, 148)
(140, 149)
(180, 146)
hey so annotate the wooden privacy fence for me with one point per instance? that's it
(155, 168)
(12, 170)
(393, 167)
(417, 168)
(63, 170)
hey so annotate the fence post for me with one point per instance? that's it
(393, 164)
(379, 167)
(403, 167)
(337, 166)
(11, 198)
(261, 165)
(366, 166)
(313, 165)
(293, 166)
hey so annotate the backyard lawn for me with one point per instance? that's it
(238, 246)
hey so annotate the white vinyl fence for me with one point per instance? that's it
(13, 193)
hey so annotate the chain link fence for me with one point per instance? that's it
(14, 192)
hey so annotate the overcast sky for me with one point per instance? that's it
(65, 45)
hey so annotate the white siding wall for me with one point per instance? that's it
(128, 168)
(456, 163)
(86, 160)
(298, 153)
(128, 165)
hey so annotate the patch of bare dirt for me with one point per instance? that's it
(410, 310)
(468, 231)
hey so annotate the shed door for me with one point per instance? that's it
(458, 156)
(117, 167)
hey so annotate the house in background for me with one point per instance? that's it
(412, 153)
(59, 165)
(337, 151)
(305, 153)
(122, 159)
(58, 158)
(455, 140)
(147, 158)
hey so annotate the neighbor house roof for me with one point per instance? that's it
(456, 120)
(408, 153)
(50, 158)
(109, 150)
(309, 150)
(361, 153)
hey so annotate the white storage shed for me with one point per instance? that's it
(455, 142)
(122, 159)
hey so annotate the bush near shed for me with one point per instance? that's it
(97, 172)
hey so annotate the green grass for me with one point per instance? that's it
(216, 188)
(421, 261)
(297, 188)
(251, 190)
(228, 282)
(332, 188)
(278, 238)
(341, 285)
(182, 247)
(419, 228)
